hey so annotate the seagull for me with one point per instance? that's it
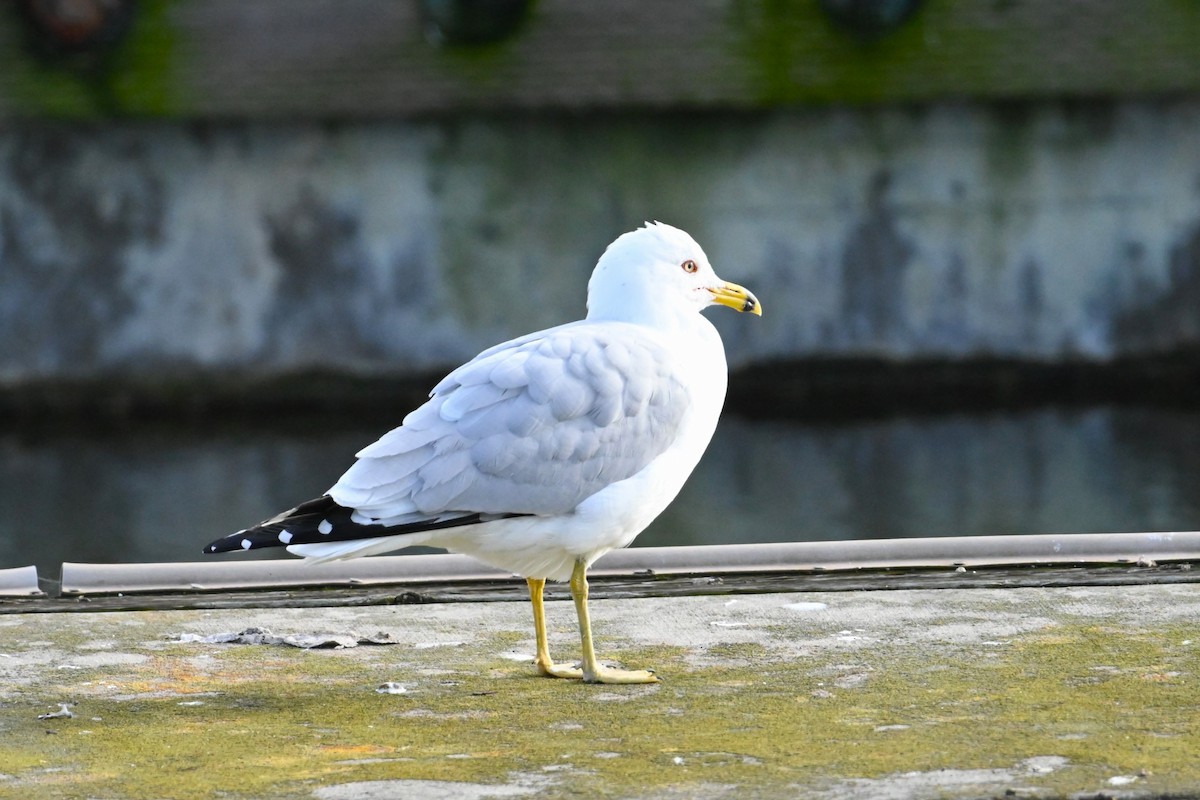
(543, 453)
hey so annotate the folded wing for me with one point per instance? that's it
(534, 426)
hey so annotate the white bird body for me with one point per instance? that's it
(545, 452)
(612, 517)
(549, 545)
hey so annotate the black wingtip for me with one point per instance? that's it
(323, 520)
(227, 544)
(309, 521)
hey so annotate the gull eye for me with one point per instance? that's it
(689, 266)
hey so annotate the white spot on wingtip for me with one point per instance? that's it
(246, 544)
(285, 537)
(325, 528)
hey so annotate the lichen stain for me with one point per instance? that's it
(1031, 302)
(1167, 319)
(949, 328)
(324, 305)
(874, 261)
(64, 237)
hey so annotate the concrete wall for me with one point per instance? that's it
(1038, 231)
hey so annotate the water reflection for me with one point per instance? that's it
(157, 496)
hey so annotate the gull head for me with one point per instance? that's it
(658, 274)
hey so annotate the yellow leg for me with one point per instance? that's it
(592, 671)
(543, 661)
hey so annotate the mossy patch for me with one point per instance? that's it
(794, 52)
(275, 722)
(135, 77)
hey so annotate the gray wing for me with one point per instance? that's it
(535, 426)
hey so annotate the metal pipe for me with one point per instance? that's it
(948, 552)
(19, 582)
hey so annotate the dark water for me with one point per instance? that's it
(160, 496)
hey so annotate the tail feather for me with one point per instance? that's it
(321, 521)
(337, 551)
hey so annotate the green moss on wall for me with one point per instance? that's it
(192, 58)
(794, 53)
(135, 78)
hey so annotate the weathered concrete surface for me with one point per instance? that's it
(907, 694)
(1039, 231)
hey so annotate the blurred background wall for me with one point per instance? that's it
(239, 239)
(199, 191)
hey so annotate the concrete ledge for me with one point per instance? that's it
(1069, 692)
(19, 582)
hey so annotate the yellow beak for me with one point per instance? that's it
(739, 298)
